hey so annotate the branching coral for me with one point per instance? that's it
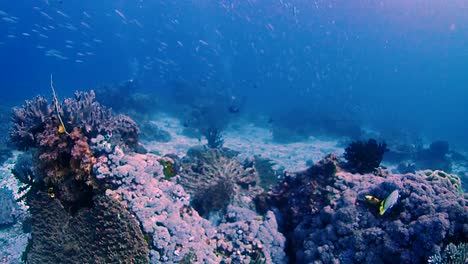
(364, 157)
(214, 137)
(63, 156)
(29, 121)
(451, 255)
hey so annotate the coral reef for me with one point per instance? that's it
(105, 233)
(215, 178)
(364, 157)
(63, 157)
(162, 208)
(28, 121)
(267, 170)
(438, 156)
(443, 178)
(327, 218)
(64, 142)
(13, 237)
(452, 254)
(176, 231)
(246, 237)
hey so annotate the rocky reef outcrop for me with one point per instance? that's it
(332, 216)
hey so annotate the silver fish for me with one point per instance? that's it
(389, 202)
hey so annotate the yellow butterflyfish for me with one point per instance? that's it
(61, 129)
(372, 200)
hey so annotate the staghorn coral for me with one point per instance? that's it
(341, 226)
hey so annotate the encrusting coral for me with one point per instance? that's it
(327, 218)
(176, 231)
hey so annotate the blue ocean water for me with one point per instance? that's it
(394, 65)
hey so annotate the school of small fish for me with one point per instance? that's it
(67, 35)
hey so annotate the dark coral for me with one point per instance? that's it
(304, 193)
(327, 218)
(214, 137)
(365, 157)
(105, 233)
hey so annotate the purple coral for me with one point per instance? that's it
(28, 121)
(333, 222)
(176, 229)
(66, 151)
